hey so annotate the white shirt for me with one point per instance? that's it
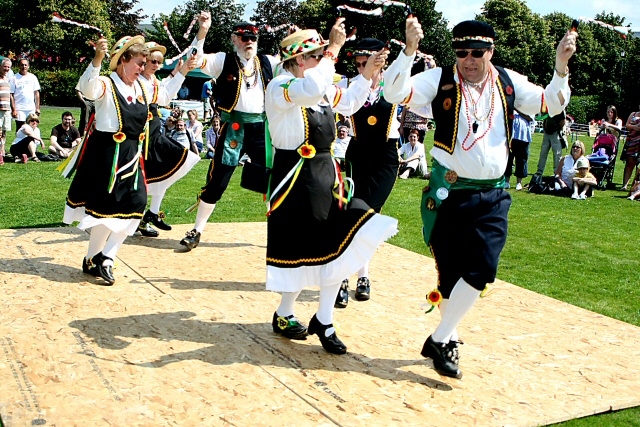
(340, 147)
(487, 159)
(286, 122)
(167, 88)
(98, 88)
(21, 134)
(23, 89)
(407, 150)
(250, 100)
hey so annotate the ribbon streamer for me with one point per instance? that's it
(171, 39)
(418, 53)
(619, 29)
(374, 12)
(387, 3)
(56, 17)
(186, 34)
(270, 29)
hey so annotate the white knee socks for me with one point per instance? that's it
(443, 308)
(204, 212)
(364, 271)
(156, 201)
(286, 303)
(97, 239)
(114, 242)
(327, 299)
(462, 298)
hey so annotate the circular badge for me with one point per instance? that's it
(233, 143)
(372, 120)
(230, 77)
(509, 90)
(247, 72)
(446, 104)
(235, 126)
(430, 204)
(451, 177)
(442, 193)
(140, 99)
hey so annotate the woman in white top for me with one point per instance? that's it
(23, 147)
(567, 168)
(196, 128)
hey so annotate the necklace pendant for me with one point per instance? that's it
(247, 72)
(248, 85)
(475, 127)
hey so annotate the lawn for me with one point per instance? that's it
(581, 252)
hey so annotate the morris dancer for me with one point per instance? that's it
(108, 193)
(473, 104)
(338, 237)
(166, 161)
(372, 155)
(242, 78)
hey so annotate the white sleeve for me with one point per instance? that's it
(530, 98)
(212, 63)
(91, 84)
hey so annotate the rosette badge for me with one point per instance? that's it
(307, 151)
(434, 298)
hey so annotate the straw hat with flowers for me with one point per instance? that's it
(120, 47)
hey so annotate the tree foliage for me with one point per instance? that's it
(124, 19)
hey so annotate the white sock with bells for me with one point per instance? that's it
(462, 298)
(286, 303)
(443, 308)
(97, 238)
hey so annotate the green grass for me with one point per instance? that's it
(581, 252)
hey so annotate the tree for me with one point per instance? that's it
(273, 13)
(224, 14)
(124, 21)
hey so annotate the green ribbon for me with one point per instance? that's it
(437, 183)
(231, 155)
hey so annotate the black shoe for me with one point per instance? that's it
(105, 272)
(331, 343)
(147, 230)
(191, 239)
(157, 220)
(343, 295)
(363, 289)
(88, 267)
(289, 327)
(445, 357)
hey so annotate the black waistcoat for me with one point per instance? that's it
(372, 122)
(447, 106)
(230, 79)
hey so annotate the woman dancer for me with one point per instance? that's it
(166, 161)
(372, 156)
(108, 192)
(306, 187)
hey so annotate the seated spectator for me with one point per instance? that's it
(165, 113)
(634, 194)
(24, 146)
(177, 112)
(412, 158)
(341, 144)
(170, 125)
(196, 128)
(64, 137)
(583, 180)
(566, 169)
(183, 136)
(411, 121)
(212, 135)
(344, 121)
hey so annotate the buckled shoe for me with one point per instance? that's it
(363, 289)
(96, 268)
(289, 327)
(330, 343)
(342, 299)
(147, 230)
(445, 357)
(191, 239)
(157, 220)
(88, 267)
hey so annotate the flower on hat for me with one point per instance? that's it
(300, 42)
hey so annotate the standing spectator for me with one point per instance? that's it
(551, 141)
(207, 92)
(64, 137)
(631, 147)
(212, 135)
(24, 146)
(6, 104)
(25, 90)
(412, 158)
(183, 93)
(519, 151)
(341, 144)
(612, 124)
(411, 121)
(196, 128)
(344, 121)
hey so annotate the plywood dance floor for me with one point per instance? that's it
(184, 339)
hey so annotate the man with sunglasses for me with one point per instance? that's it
(464, 208)
(242, 77)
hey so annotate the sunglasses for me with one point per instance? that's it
(361, 64)
(140, 64)
(155, 61)
(476, 53)
(247, 38)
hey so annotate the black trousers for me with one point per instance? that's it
(468, 236)
(219, 174)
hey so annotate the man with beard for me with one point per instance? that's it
(242, 77)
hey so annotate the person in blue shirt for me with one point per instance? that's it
(207, 92)
(519, 150)
(183, 93)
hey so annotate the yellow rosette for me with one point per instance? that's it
(434, 298)
(307, 151)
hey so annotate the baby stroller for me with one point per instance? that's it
(603, 159)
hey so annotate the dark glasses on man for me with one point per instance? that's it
(361, 64)
(246, 38)
(475, 53)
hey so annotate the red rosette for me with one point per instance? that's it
(119, 137)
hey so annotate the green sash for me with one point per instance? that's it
(235, 137)
(441, 182)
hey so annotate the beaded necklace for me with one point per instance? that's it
(473, 128)
(246, 74)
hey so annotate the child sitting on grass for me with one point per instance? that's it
(583, 180)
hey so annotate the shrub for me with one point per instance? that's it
(585, 108)
(58, 87)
